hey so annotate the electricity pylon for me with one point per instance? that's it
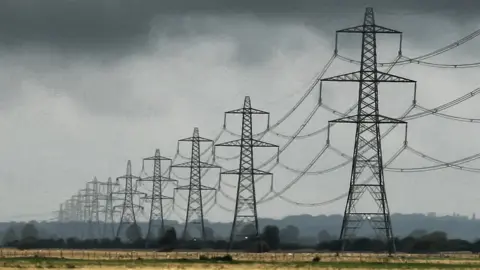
(107, 209)
(195, 187)
(367, 151)
(69, 210)
(246, 202)
(61, 213)
(156, 198)
(86, 197)
(94, 213)
(128, 206)
(78, 207)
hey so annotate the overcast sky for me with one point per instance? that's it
(87, 85)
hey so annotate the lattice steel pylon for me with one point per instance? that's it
(246, 202)
(78, 207)
(128, 206)
(94, 214)
(61, 213)
(86, 197)
(195, 187)
(107, 210)
(156, 197)
(69, 210)
(367, 151)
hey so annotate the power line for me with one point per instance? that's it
(410, 60)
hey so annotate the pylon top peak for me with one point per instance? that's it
(129, 167)
(247, 103)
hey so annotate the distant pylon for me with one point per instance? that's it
(69, 210)
(94, 214)
(156, 218)
(367, 151)
(78, 207)
(86, 197)
(61, 213)
(195, 187)
(128, 206)
(246, 202)
(107, 209)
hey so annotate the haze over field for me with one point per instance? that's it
(87, 85)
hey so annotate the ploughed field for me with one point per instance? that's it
(121, 259)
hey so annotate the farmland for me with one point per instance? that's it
(89, 259)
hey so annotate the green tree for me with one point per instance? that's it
(29, 231)
(418, 233)
(187, 236)
(9, 236)
(271, 235)
(209, 234)
(436, 236)
(323, 236)
(289, 234)
(133, 232)
(169, 237)
(248, 230)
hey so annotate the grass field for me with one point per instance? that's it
(95, 259)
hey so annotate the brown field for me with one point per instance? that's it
(113, 259)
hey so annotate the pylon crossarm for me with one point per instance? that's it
(246, 110)
(188, 164)
(387, 77)
(247, 171)
(134, 205)
(156, 178)
(133, 193)
(127, 177)
(199, 139)
(373, 29)
(258, 143)
(150, 197)
(157, 158)
(234, 143)
(368, 76)
(367, 119)
(202, 187)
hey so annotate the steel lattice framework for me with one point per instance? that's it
(128, 206)
(156, 218)
(78, 206)
(94, 213)
(107, 210)
(368, 149)
(246, 202)
(86, 208)
(195, 187)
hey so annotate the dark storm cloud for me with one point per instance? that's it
(98, 25)
(47, 37)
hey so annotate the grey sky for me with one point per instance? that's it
(87, 85)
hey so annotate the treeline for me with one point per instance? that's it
(270, 240)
